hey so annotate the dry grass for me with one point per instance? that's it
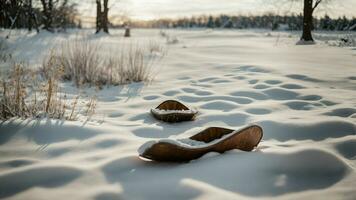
(156, 47)
(134, 63)
(83, 62)
(27, 93)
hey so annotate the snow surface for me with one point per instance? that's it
(302, 95)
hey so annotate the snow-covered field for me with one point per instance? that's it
(304, 97)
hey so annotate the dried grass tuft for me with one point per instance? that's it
(27, 93)
(83, 63)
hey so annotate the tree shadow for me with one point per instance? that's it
(44, 131)
(45, 176)
(122, 92)
(317, 131)
(10, 128)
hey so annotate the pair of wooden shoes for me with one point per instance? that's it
(213, 139)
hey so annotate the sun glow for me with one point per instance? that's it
(122, 10)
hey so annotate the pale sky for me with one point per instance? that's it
(152, 9)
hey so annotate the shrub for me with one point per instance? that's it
(134, 63)
(80, 60)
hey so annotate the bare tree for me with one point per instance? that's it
(105, 17)
(98, 16)
(12, 9)
(53, 14)
(102, 12)
(47, 6)
(308, 11)
(31, 16)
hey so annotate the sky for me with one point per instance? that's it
(153, 9)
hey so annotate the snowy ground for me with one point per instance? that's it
(303, 97)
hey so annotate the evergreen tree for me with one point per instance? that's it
(210, 23)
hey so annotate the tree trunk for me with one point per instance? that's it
(50, 15)
(98, 16)
(29, 15)
(47, 14)
(34, 17)
(105, 17)
(127, 31)
(102, 22)
(307, 20)
(13, 14)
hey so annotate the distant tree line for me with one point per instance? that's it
(51, 15)
(267, 21)
(58, 15)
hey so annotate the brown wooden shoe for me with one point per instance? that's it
(173, 111)
(213, 139)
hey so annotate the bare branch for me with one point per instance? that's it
(316, 4)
